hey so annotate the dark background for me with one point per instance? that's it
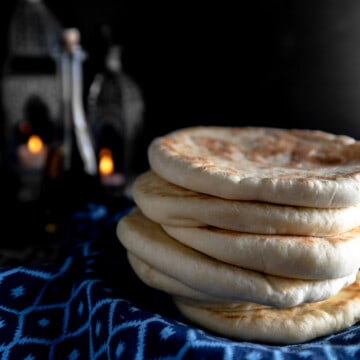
(280, 63)
(288, 63)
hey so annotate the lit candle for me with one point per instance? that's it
(107, 172)
(33, 154)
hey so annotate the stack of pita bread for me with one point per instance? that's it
(254, 232)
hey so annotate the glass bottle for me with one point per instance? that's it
(72, 166)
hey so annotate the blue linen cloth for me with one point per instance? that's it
(88, 304)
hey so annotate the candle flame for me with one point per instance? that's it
(106, 162)
(35, 144)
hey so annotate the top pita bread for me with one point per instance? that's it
(294, 167)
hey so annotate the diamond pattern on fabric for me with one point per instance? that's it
(89, 305)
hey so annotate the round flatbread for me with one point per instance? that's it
(169, 204)
(284, 166)
(248, 321)
(148, 241)
(251, 322)
(303, 257)
(160, 281)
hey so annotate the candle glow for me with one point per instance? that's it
(32, 154)
(35, 144)
(108, 176)
(106, 162)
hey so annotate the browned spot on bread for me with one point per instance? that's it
(231, 150)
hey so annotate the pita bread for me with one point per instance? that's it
(292, 167)
(255, 322)
(303, 257)
(148, 241)
(251, 322)
(169, 204)
(160, 281)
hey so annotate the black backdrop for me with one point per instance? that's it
(290, 63)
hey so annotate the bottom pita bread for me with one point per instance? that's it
(251, 322)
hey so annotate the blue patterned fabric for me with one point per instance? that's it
(88, 304)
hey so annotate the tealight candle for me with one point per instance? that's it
(108, 176)
(32, 158)
(33, 154)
